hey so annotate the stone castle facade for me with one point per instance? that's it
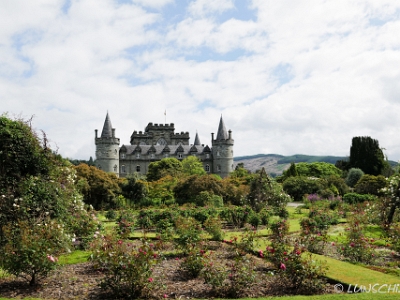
(158, 141)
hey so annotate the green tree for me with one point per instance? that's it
(189, 188)
(133, 189)
(192, 165)
(366, 155)
(166, 166)
(99, 189)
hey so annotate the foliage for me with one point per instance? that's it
(190, 234)
(391, 199)
(265, 192)
(370, 184)
(299, 186)
(192, 165)
(111, 215)
(99, 189)
(353, 198)
(32, 251)
(167, 166)
(190, 187)
(317, 169)
(21, 153)
(353, 176)
(366, 155)
(205, 198)
(163, 189)
(356, 247)
(128, 267)
(126, 223)
(236, 215)
(213, 225)
(194, 262)
(133, 189)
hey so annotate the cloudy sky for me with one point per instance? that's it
(288, 76)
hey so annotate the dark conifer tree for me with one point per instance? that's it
(366, 155)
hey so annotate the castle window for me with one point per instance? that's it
(137, 155)
(207, 168)
(123, 169)
(138, 168)
(218, 168)
(152, 155)
(115, 168)
(123, 155)
(180, 155)
(217, 153)
(166, 155)
(207, 155)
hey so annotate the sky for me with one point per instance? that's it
(288, 77)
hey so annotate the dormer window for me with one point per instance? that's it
(137, 155)
(180, 155)
(152, 155)
(123, 155)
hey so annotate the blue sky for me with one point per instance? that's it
(289, 76)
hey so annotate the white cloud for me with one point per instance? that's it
(201, 8)
(296, 78)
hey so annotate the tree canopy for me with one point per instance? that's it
(366, 155)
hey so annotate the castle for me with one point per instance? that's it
(157, 142)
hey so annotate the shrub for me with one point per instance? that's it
(213, 226)
(111, 215)
(190, 234)
(236, 215)
(31, 249)
(370, 184)
(128, 268)
(126, 223)
(299, 186)
(194, 263)
(353, 198)
(356, 248)
(353, 176)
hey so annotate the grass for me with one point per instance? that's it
(75, 257)
(360, 296)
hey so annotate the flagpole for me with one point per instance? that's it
(165, 117)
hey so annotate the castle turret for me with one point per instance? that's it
(107, 148)
(222, 149)
(197, 140)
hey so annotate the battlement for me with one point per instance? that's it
(157, 127)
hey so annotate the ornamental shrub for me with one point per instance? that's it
(353, 198)
(127, 267)
(31, 248)
(370, 184)
(353, 176)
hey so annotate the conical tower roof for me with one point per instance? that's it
(107, 128)
(222, 133)
(197, 140)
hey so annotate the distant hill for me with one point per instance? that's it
(275, 164)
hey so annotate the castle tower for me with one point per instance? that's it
(107, 148)
(222, 150)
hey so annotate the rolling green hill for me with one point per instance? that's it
(275, 164)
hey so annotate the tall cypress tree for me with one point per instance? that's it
(366, 155)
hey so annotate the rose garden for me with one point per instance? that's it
(75, 232)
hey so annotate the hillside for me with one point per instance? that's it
(275, 164)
